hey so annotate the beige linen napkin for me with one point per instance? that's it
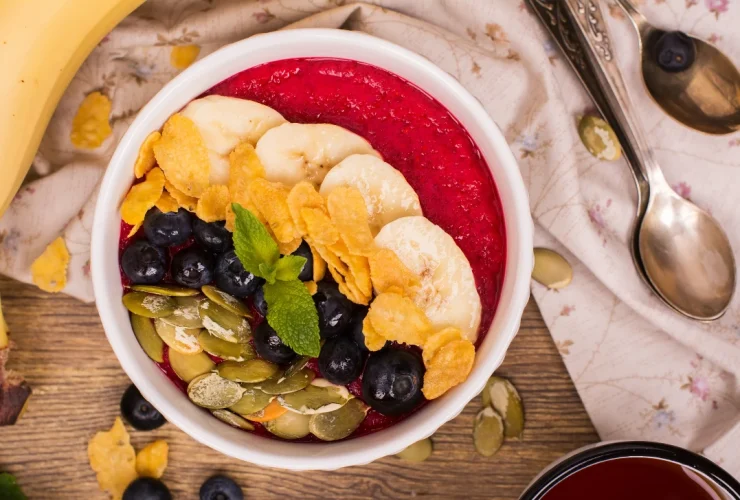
(643, 371)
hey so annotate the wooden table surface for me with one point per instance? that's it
(77, 382)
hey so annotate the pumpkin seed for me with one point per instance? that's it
(222, 323)
(321, 396)
(185, 313)
(280, 384)
(289, 425)
(214, 392)
(551, 269)
(488, 432)
(189, 366)
(252, 401)
(147, 337)
(502, 396)
(599, 138)
(228, 302)
(338, 424)
(417, 452)
(171, 291)
(225, 350)
(250, 371)
(148, 304)
(183, 340)
(233, 419)
(297, 365)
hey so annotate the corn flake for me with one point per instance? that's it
(311, 287)
(387, 271)
(289, 247)
(396, 318)
(142, 197)
(244, 167)
(184, 201)
(319, 226)
(349, 213)
(182, 155)
(271, 198)
(151, 461)
(166, 203)
(91, 125)
(438, 340)
(449, 366)
(113, 459)
(319, 265)
(304, 195)
(49, 270)
(145, 160)
(373, 341)
(212, 204)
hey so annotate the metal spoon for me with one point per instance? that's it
(679, 249)
(704, 96)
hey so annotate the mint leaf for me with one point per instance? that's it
(292, 313)
(254, 246)
(9, 489)
(289, 267)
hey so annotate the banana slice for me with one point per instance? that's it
(448, 295)
(295, 152)
(387, 194)
(224, 122)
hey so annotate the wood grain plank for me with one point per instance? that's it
(77, 382)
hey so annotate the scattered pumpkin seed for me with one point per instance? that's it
(228, 302)
(252, 401)
(189, 366)
(233, 419)
(280, 384)
(599, 138)
(214, 392)
(488, 432)
(228, 351)
(417, 452)
(289, 425)
(148, 304)
(171, 291)
(320, 396)
(222, 323)
(551, 269)
(340, 423)
(250, 371)
(185, 313)
(502, 396)
(183, 340)
(147, 336)
(297, 365)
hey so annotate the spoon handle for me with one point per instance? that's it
(638, 20)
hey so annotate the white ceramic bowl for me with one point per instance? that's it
(172, 403)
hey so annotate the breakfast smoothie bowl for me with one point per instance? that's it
(311, 249)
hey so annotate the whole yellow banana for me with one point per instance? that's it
(42, 45)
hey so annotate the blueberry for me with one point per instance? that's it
(192, 267)
(213, 236)
(392, 381)
(355, 329)
(341, 360)
(232, 278)
(305, 251)
(168, 228)
(144, 263)
(147, 488)
(259, 301)
(139, 412)
(269, 346)
(674, 51)
(335, 310)
(220, 488)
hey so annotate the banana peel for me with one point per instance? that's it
(14, 391)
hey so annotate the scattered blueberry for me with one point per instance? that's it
(269, 346)
(220, 488)
(674, 51)
(147, 488)
(192, 267)
(259, 301)
(341, 360)
(213, 236)
(232, 278)
(392, 381)
(144, 263)
(139, 412)
(355, 329)
(168, 228)
(335, 310)
(305, 251)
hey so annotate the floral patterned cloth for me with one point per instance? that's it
(643, 371)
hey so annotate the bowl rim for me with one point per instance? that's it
(364, 449)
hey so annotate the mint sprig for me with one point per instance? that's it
(290, 308)
(9, 489)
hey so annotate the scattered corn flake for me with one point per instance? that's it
(182, 155)
(134, 229)
(304, 195)
(289, 247)
(349, 289)
(311, 287)
(166, 203)
(113, 459)
(230, 220)
(319, 226)
(449, 366)
(349, 214)
(395, 317)
(373, 341)
(333, 262)
(212, 204)
(360, 270)
(438, 340)
(271, 199)
(141, 197)
(49, 270)
(387, 270)
(184, 201)
(90, 125)
(145, 160)
(319, 265)
(244, 167)
(182, 56)
(151, 461)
